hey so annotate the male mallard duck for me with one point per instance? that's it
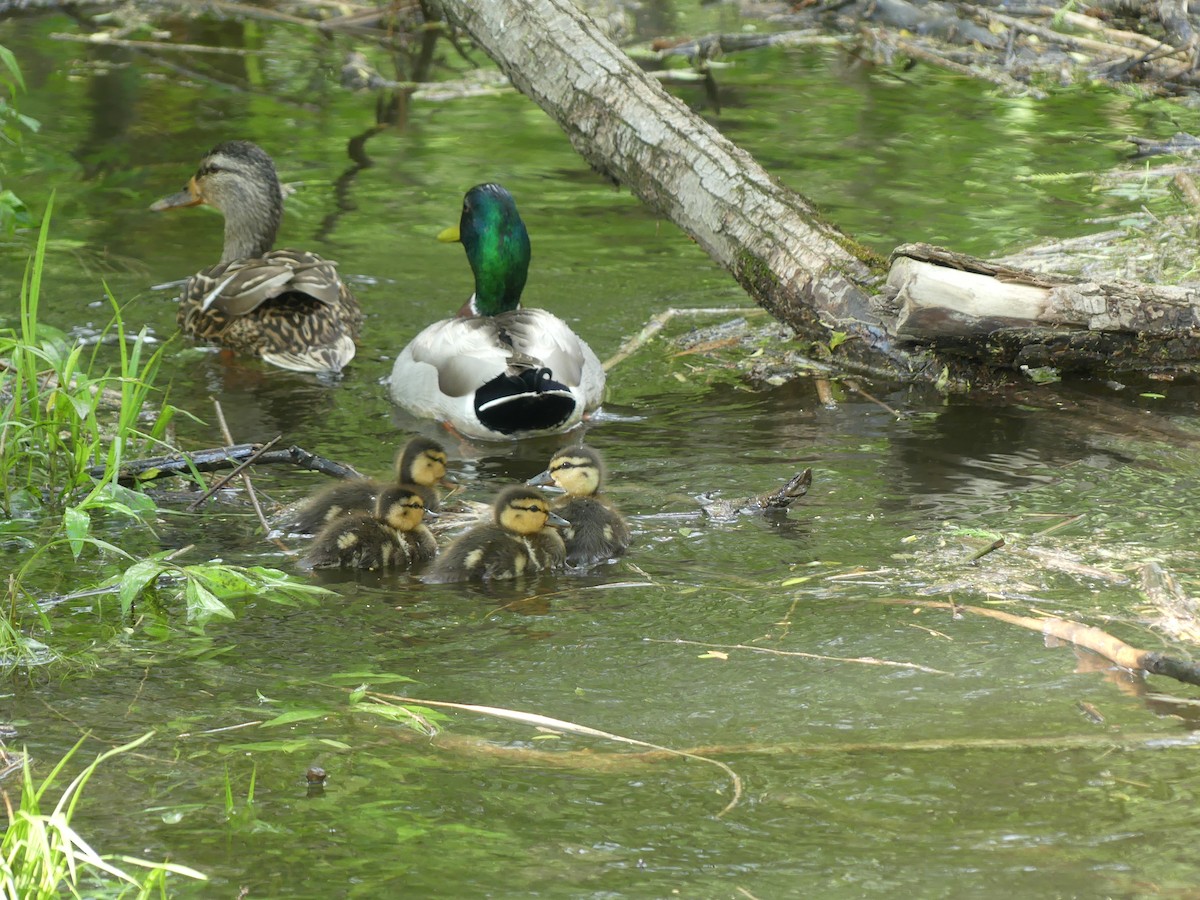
(521, 540)
(287, 306)
(420, 466)
(393, 536)
(597, 530)
(497, 370)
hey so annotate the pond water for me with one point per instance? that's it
(977, 762)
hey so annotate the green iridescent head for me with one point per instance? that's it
(497, 245)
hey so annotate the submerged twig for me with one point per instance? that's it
(239, 470)
(865, 660)
(1086, 636)
(253, 724)
(659, 321)
(1067, 520)
(104, 38)
(585, 760)
(990, 548)
(560, 725)
(858, 389)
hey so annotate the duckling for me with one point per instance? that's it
(288, 307)
(496, 370)
(420, 466)
(393, 536)
(597, 531)
(521, 540)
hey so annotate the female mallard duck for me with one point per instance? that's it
(497, 370)
(287, 306)
(420, 466)
(393, 536)
(521, 541)
(597, 531)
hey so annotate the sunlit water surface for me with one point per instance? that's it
(963, 766)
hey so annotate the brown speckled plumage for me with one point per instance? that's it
(521, 541)
(288, 307)
(391, 537)
(420, 467)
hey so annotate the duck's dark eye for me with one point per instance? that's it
(209, 169)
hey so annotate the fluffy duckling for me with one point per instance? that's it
(392, 537)
(521, 540)
(288, 307)
(420, 466)
(597, 531)
(498, 370)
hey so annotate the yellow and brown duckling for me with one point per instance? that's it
(521, 540)
(420, 466)
(597, 531)
(288, 307)
(394, 536)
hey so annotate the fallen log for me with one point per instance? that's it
(1019, 319)
(915, 322)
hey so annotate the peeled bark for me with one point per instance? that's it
(798, 267)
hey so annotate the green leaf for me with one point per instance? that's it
(127, 501)
(77, 524)
(202, 604)
(410, 832)
(836, 339)
(273, 579)
(227, 582)
(364, 677)
(287, 745)
(135, 579)
(296, 715)
(1042, 374)
(10, 63)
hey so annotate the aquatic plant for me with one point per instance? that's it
(13, 213)
(43, 856)
(206, 587)
(62, 410)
